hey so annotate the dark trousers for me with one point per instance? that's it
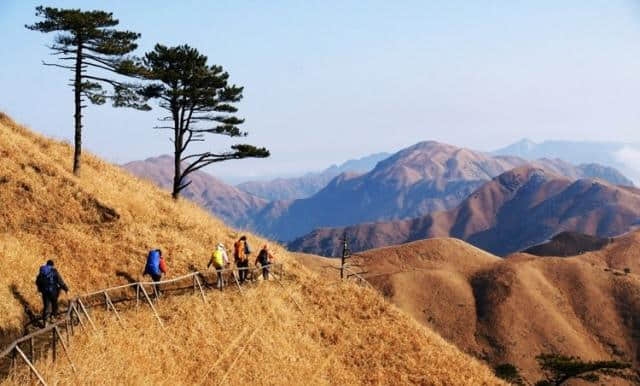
(156, 287)
(265, 272)
(243, 269)
(49, 304)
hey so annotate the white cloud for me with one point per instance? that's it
(629, 156)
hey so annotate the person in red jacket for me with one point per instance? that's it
(162, 266)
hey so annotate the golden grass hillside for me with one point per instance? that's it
(511, 310)
(99, 227)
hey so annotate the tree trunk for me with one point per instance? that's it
(177, 154)
(78, 112)
(176, 174)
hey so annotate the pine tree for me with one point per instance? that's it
(200, 101)
(86, 39)
(560, 369)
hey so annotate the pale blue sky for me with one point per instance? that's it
(330, 80)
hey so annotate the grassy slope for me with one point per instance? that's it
(347, 334)
(510, 310)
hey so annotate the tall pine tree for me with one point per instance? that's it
(86, 40)
(200, 101)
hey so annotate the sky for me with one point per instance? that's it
(327, 81)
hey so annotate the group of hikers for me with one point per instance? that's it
(50, 282)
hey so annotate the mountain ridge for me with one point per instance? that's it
(423, 178)
(307, 185)
(612, 154)
(515, 210)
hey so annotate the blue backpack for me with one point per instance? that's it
(46, 280)
(153, 263)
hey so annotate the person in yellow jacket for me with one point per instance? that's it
(219, 260)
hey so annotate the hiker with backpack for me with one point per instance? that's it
(155, 267)
(241, 253)
(219, 260)
(49, 283)
(264, 258)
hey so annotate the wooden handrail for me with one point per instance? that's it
(68, 314)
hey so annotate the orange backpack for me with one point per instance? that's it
(238, 250)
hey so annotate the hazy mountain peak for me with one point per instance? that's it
(311, 183)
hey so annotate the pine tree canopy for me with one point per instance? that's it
(200, 101)
(85, 37)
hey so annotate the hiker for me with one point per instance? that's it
(219, 260)
(264, 258)
(241, 253)
(155, 267)
(49, 283)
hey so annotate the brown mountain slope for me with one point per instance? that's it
(98, 228)
(510, 310)
(231, 204)
(423, 178)
(515, 210)
(568, 244)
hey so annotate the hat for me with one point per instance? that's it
(220, 245)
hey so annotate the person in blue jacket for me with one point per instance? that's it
(155, 267)
(49, 283)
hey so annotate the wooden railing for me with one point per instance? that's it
(77, 314)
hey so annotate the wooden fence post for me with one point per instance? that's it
(110, 304)
(66, 325)
(33, 369)
(146, 295)
(65, 349)
(71, 322)
(197, 280)
(237, 282)
(137, 297)
(75, 309)
(32, 349)
(84, 310)
(54, 344)
(14, 363)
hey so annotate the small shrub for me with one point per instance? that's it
(627, 271)
(509, 373)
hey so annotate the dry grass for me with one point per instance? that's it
(510, 310)
(347, 335)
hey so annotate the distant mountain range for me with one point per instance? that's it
(519, 208)
(421, 179)
(310, 183)
(623, 156)
(227, 202)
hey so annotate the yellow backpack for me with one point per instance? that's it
(217, 258)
